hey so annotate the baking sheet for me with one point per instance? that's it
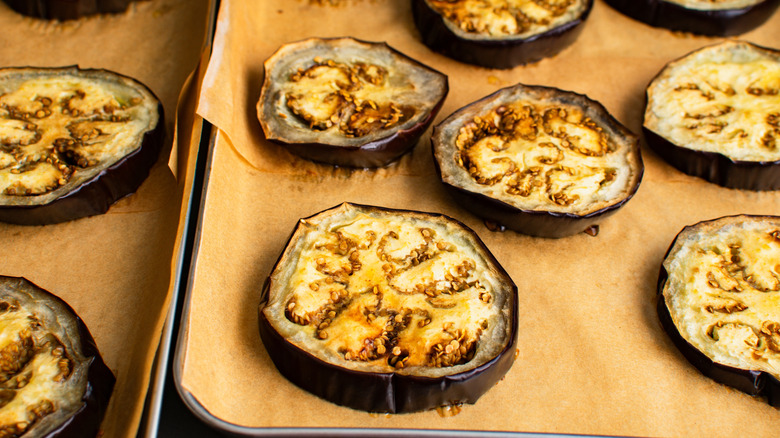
(592, 357)
(114, 269)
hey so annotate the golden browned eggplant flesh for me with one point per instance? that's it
(388, 305)
(719, 300)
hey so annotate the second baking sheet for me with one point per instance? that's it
(114, 269)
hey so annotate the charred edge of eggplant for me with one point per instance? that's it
(753, 383)
(96, 195)
(725, 22)
(499, 53)
(377, 153)
(67, 9)
(715, 167)
(87, 419)
(386, 392)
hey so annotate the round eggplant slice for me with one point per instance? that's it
(499, 33)
(347, 102)
(719, 301)
(538, 160)
(53, 382)
(72, 142)
(715, 114)
(389, 310)
(67, 9)
(706, 17)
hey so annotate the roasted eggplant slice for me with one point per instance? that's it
(53, 382)
(538, 160)
(715, 114)
(719, 301)
(706, 17)
(67, 9)
(389, 310)
(72, 142)
(499, 33)
(347, 102)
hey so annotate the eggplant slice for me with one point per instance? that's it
(499, 33)
(73, 141)
(719, 295)
(53, 382)
(715, 114)
(389, 310)
(705, 17)
(347, 102)
(538, 160)
(67, 9)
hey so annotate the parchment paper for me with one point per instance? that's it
(113, 269)
(592, 357)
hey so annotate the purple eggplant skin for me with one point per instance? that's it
(377, 153)
(503, 53)
(726, 22)
(547, 224)
(100, 383)
(67, 9)
(96, 195)
(381, 392)
(754, 383)
(717, 168)
(386, 392)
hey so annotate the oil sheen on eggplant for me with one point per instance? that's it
(715, 114)
(705, 17)
(53, 382)
(499, 33)
(347, 102)
(67, 9)
(538, 160)
(719, 301)
(73, 141)
(389, 310)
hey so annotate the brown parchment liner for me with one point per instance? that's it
(114, 269)
(592, 356)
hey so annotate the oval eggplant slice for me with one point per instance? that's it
(53, 382)
(73, 141)
(499, 33)
(715, 114)
(719, 289)
(706, 17)
(67, 9)
(347, 102)
(538, 160)
(389, 310)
